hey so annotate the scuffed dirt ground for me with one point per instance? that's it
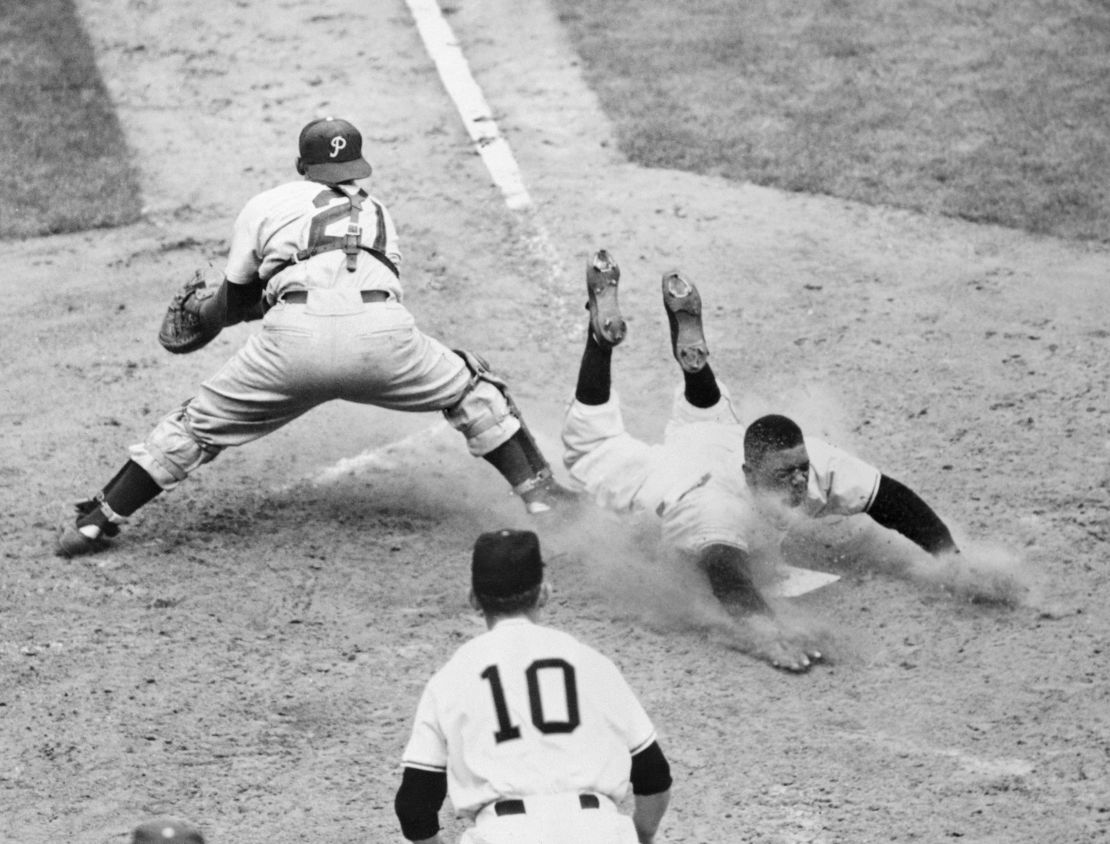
(251, 653)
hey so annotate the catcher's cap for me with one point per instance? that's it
(331, 151)
(506, 562)
(166, 831)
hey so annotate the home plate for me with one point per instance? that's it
(794, 581)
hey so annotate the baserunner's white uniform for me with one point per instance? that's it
(334, 346)
(527, 712)
(693, 480)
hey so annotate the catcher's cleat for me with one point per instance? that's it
(74, 542)
(683, 305)
(89, 532)
(602, 276)
(544, 494)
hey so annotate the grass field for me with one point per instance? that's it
(988, 110)
(64, 164)
(985, 110)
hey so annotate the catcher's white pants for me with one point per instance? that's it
(333, 347)
(693, 480)
(553, 819)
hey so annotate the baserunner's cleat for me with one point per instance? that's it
(683, 305)
(602, 277)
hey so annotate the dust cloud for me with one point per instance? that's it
(617, 560)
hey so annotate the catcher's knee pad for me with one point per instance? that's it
(485, 414)
(172, 451)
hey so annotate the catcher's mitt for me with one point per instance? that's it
(185, 327)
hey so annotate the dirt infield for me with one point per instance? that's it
(250, 654)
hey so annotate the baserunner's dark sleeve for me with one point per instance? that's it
(729, 572)
(899, 508)
(418, 802)
(651, 772)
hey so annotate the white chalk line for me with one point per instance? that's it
(378, 458)
(446, 51)
(971, 764)
(444, 48)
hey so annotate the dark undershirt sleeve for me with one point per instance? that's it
(899, 508)
(651, 773)
(244, 301)
(418, 802)
(729, 572)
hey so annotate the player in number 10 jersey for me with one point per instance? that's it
(534, 735)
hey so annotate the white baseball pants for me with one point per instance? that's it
(333, 347)
(693, 480)
(553, 819)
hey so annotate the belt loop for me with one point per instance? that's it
(589, 801)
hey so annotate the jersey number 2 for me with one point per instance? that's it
(318, 238)
(506, 731)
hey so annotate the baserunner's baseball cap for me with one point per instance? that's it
(165, 831)
(331, 151)
(506, 562)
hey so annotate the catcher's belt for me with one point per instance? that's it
(300, 297)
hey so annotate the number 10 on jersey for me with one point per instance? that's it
(506, 730)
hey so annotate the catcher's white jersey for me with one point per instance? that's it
(276, 224)
(333, 346)
(694, 480)
(522, 710)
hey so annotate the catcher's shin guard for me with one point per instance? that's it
(480, 369)
(519, 459)
(532, 453)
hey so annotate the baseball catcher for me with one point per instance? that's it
(317, 261)
(719, 487)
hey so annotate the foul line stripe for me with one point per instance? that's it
(443, 47)
(372, 457)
